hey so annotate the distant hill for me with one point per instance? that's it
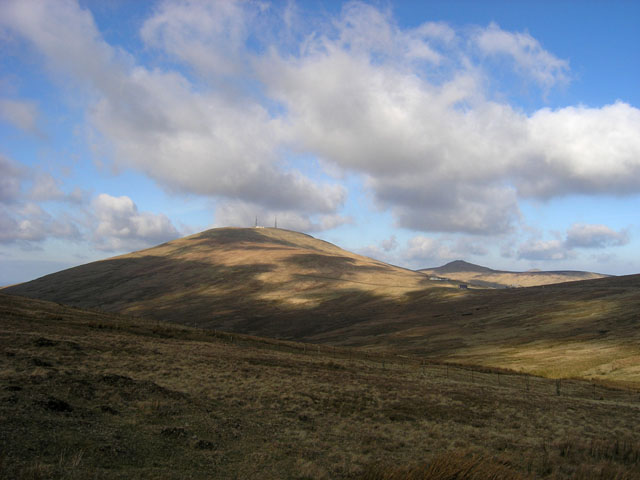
(458, 266)
(477, 275)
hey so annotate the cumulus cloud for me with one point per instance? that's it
(120, 226)
(28, 224)
(578, 236)
(526, 52)
(389, 244)
(409, 110)
(581, 235)
(423, 248)
(424, 252)
(208, 36)
(544, 250)
(24, 221)
(45, 187)
(581, 150)
(11, 175)
(244, 214)
(158, 122)
(21, 114)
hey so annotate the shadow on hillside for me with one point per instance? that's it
(238, 237)
(433, 320)
(332, 264)
(159, 283)
(213, 295)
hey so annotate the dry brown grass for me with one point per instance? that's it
(497, 279)
(452, 466)
(88, 395)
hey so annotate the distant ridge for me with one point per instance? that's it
(480, 276)
(461, 266)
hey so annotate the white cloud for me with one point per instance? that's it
(243, 214)
(22, 220)
(425, 252)
(581, 150)
(582, 235)
(389, 244)
(544, 250)
(209, 36)
(47, 188)
(527, 53)
(11, 175)
(408, 110)
(579, 235)
(187, 139)
(21, 114)
(120, 226)
(28, 224)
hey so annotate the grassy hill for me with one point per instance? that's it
(86, 394)
(239, 279)
(287, 285)
(486, 277)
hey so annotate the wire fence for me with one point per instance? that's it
(426, 369)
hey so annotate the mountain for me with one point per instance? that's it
(254, 280)
(281, 284)
(479, 276)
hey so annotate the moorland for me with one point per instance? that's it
(265, 353)
(86, 394)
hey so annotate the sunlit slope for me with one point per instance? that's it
(234, 278)
(486, 277)
(588, 329)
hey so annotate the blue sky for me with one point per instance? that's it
(503, 133)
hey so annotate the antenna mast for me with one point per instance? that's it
(275, 223)
(256, 225)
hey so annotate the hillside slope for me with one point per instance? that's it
(243, 279)
(588, 329)
(462, 271)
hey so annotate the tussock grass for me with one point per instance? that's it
(452, 466)
(141, 399)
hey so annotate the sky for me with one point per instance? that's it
(505, 133)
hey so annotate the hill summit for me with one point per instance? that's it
(461, 266)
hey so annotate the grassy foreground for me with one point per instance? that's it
(89, 395)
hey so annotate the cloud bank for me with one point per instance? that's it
(241, 92)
